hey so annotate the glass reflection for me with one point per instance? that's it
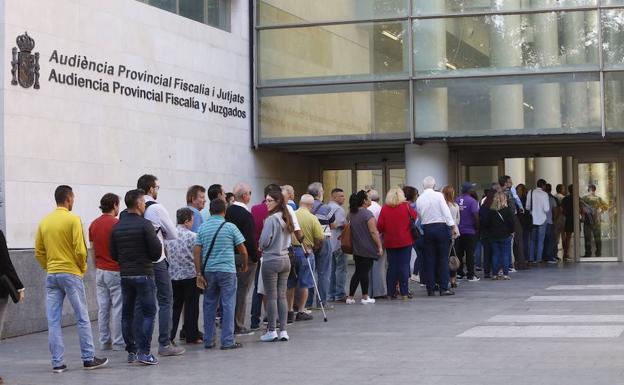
(496, 43)
(614, 101)
(337, 112)
(428, 7)
(612, 21)
(546, 104)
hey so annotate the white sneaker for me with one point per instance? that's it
(283, 336)
(512, 270)
(269, 336)
(415, 278)
(367, 301)
(350, 301)
(474, 279)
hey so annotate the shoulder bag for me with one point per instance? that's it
(412, 225)
(214, 239)
(453, 259)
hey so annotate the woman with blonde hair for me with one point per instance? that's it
(395, 226)
(499, 224)
(449, 197)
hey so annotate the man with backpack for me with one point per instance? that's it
(592, 207)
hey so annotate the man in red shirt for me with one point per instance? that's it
(108, 280)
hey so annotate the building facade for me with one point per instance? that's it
(386, 92)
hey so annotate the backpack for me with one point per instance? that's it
(588, 214)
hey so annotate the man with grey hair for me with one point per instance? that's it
(323, 257)
(338, 274)
(436, 219)
(374, 207)
(289, 193)
(238, 213)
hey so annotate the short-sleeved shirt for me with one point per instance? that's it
(221, 258)
(180, 255)
(310, 226)
(468, 209)
(198, 219)
(100, 234)
(361, 238)
(341, 219)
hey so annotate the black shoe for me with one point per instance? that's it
(96, 363)
(254, 327)
(59, 369)
(447, 292)
(301, 316)
(236, 345)
(430, 293)
(291, 317)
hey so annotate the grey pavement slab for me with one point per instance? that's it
(392, 342)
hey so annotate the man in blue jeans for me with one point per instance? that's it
(538, 204)
(135, 246)
(323, 256)
(61, 251)
(216, 272)
(165, 230)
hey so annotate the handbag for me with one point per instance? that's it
(8, 284)
(346, 243)
(413, 226)
(453, 258)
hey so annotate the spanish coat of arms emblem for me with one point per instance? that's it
(25, 64)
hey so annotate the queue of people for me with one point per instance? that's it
(292, 255)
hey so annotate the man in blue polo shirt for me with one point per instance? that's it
(216, 272)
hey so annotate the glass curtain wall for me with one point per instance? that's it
(343, 70)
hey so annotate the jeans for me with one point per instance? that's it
(244, 283)
(275, 276)
(109, 301)
(465, 248)
(138, 296)
(478, 254)
(256, 300)
(398, 269)
(164, 294)
(220, 286)
(549, 241)
(536, 242)
(437, 243)
(501, 255)
(419, 247)
(338, 276)
(323, 261)
(59, 286)
(185, 295)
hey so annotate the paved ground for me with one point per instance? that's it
(511, 332)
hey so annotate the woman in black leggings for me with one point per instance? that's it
(366, 244)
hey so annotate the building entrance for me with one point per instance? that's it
(584, 181)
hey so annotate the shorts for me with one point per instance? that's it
(304, 279)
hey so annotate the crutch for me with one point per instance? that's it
(318, 296)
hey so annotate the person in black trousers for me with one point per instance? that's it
(7, 269)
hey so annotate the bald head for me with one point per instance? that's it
(306, 201)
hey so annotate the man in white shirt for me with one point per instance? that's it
(538, 204)
(374, 207)
(165, 230)
(436, 219)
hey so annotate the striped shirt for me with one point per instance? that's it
(221, 258)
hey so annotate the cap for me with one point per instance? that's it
(467, 186)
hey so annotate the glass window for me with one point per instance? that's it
(167, 5)
(348, 51)
(526, 105)
(432, 7)
(494, 43)
(274, 12)
(193, 9)
(614, 101)
(333, 113)
(337, 179)
(612, 21)
(218, 14)
(370, 180)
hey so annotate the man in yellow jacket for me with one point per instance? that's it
(61, 251)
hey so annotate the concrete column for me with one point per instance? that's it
(431, 104)
(429, 159)
(550, 169)
(547, 99)
(515, 168)
(506, 51)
